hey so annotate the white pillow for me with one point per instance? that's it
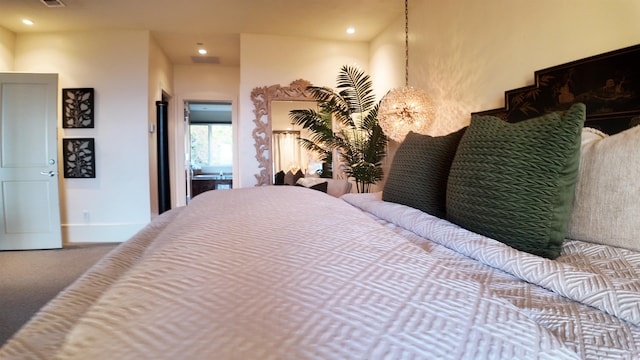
(310, 181)
(607, 203)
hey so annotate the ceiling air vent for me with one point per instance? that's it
(53, 3)
(205, 60)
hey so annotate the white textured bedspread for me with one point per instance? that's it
(589, 297)
(286, 272)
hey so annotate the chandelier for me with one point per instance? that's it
(407, 108)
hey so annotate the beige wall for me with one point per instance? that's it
(464, 60)
(7, 48)
(387, 63)
(271, 60)
(466, 53)
(317, 61)
(116, 65)
(160, 80)
(387, 59)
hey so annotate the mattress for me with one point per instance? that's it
(283, 272)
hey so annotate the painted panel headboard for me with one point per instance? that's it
(608, 84)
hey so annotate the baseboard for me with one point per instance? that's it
(91, 233)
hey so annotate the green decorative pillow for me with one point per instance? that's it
(516, 182)
(419, 172)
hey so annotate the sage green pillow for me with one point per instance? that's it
(419, 172)
(515, 182)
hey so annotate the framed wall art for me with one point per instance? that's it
(607, 84)
(77, 108)
(79, 158)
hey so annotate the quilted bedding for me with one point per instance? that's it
(290, 273)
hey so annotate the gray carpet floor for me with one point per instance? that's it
(30, 278)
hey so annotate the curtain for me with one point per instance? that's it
(286, 151)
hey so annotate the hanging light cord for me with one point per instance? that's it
(406, 109)
(406, 43)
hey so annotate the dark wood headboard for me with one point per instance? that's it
(608, 84)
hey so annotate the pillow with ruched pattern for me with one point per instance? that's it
(515, 182)
(419, 172)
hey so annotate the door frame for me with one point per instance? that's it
(179, 191)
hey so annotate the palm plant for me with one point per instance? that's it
(320, 143)
(359, 140)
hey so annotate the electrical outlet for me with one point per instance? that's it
(85, 216)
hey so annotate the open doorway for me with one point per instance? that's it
(209, 136)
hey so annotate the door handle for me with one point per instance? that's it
(48, 173)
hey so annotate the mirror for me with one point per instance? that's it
(287, 153)
(265, 99)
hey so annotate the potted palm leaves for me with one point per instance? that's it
(358, 139)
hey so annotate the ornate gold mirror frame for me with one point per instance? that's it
(262, 98)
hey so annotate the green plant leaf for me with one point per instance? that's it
(358, 140)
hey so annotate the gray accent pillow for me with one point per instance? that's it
(515, 183)
(419, 172)
(607, 205)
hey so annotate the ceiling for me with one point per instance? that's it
(179, 25)
(209, 112)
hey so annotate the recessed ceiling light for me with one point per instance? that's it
(27, 22)
(201, 49)
(351, 31)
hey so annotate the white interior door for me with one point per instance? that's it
(29, 208)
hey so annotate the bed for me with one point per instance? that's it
(288, 272)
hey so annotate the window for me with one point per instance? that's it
(211, 145)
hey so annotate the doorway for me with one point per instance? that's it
(162, 148)
(209, 135)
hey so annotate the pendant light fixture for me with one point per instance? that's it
(407, 108)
